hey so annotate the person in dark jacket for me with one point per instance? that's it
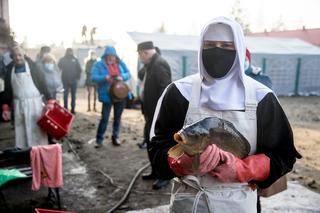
(105, 72)
(141, 77)
(255, 73)
(71, 73)
(24, 87)
(158, 77)
(91, 86)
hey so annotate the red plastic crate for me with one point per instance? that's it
(37, 210)
(56, 122)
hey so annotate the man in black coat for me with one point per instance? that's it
(71, 73)
(158, 77)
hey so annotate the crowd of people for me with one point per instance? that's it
(227, 86)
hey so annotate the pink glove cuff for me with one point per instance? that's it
(176, 168)
(181, 166)
(254, 167)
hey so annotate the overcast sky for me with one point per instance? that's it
(44, 21)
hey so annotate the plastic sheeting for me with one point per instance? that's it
(10, 174)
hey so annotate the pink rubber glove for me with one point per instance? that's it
(6, 113)
(209, 159)
(50, 104)
(253, 167)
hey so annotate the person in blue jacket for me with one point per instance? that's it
(104, 72)
(255, 72)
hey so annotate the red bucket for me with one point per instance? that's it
(56, 122)
(37, 210)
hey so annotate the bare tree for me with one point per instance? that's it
(162, 28)
(6, 36)
(278, 25)
(240, 17)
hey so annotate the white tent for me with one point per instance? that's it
(292, 64)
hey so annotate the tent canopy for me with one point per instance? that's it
(292, 64)
(264, 45)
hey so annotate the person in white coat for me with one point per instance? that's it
(222, 182)
(25, 91)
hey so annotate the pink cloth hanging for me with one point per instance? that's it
(46, 164)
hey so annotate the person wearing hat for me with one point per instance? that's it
(222, 183)
(104, 72)
(158, 77)
(141, 77)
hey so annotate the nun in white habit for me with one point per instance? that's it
(222, 89)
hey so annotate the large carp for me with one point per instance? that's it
(193, 139)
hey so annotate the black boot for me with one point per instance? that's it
(115, 141)
(159, 184)
(142, 145)
(150, 176)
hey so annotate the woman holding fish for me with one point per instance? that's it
(219, 132)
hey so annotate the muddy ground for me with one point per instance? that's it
(96, 179)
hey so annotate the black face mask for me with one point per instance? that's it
(218, 61)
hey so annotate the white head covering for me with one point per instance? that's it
(228, 92)
(218, 32)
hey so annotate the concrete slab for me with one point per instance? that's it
(296, 199)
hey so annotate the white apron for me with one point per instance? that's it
(1, 85)
(27, 110)
(204, 193)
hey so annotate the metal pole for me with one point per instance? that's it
(264, 65)
(184, 66)
(297, 81)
